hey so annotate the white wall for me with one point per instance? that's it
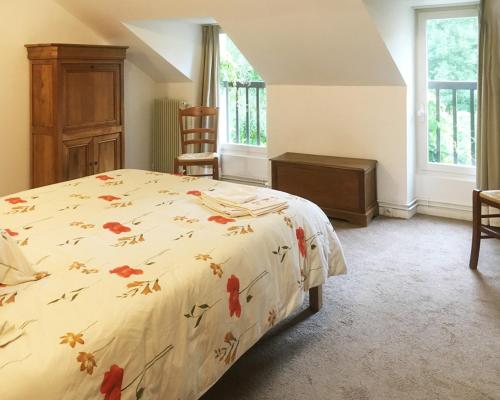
(140, 91)
(346, 121)
(445, 195)
(39, 21)
(26, 21)
(396, 23)
(190, 90)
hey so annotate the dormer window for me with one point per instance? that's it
(243, 101)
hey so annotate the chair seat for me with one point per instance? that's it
(197, 156)
(491, 195)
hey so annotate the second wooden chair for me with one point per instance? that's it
(481, 230)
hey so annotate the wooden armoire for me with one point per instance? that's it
(76, 110)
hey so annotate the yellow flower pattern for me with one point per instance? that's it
(72, 339)
(87, 362)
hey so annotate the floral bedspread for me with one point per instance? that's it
(141, 292)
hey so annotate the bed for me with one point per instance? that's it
(138, 291)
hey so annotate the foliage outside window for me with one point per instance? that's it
(243, 100)
(452, 63)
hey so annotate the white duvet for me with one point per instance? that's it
(138, 291)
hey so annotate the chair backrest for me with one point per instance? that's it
(203, 131)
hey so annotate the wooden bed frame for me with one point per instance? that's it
(316, 298)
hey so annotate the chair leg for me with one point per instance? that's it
(177, 164)
(476, 229)
(215, 169)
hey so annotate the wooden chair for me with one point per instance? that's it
(205, 140)
(479, 199)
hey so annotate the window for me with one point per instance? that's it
(447, 89)
(243, 99)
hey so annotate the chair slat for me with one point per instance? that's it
(490, 216)
(198, 130)
(491, 231)
(199, 111)
(200, 141)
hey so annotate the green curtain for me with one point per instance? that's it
(488, 139)
(210, 66)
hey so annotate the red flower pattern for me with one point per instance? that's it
(220, 219)
(194, 193)
(104, 177)
(15, 200)
(109, 197)
(125, 271)
(11, 233)
(301, 239)
(111, 386)
(116, 227)
(233, 288)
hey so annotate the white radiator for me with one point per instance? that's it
(166, 137)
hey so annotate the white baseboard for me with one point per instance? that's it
(244, 180)
(420, 206)
(393, 210)
(446, 210)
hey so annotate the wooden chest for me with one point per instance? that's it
(345, 188)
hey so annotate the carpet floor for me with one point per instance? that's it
(409, 321)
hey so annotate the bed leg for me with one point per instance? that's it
(316, 298)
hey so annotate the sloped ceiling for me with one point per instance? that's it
(313, 42)
(176, 41)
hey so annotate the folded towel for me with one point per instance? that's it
(233, 196)
(261, 205)
(223, 209)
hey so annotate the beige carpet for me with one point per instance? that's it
(409, 321)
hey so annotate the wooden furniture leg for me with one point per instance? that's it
(316, 298)
(176, 166)
(215, 167)
(476, 229)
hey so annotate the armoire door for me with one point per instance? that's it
(78, 158)
(107, 153)
(92, 96)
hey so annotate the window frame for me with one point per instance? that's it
(423, 163)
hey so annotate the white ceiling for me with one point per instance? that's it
(176, 41)
(314, 42)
